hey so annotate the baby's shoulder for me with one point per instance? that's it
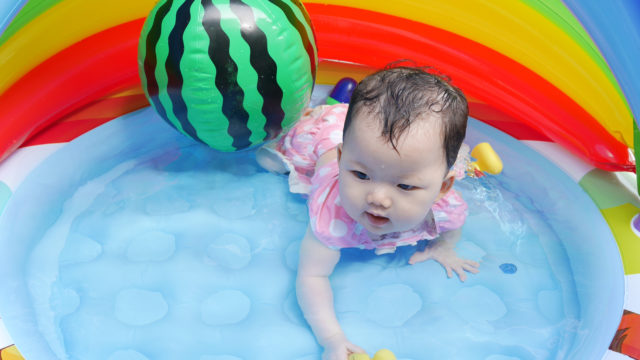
(330, 113)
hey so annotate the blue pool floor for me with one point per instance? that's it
(151, 249)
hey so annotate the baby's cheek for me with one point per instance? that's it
(348, 196)
(420, 206)
(418, 215)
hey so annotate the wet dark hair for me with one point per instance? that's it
(400, 95)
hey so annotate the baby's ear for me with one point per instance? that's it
(447, 184)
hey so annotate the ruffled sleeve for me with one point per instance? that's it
(450, 212)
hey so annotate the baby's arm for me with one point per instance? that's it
(316, 298)
(442, 251)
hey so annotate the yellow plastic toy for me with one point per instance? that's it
(382, 354)
(487, 160)
(10, 353)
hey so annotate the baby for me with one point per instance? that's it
(378, 174)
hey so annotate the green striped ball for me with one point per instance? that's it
(228, 73)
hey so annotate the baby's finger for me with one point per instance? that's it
(449, 273)
(473, 263)
(352, 348)
(461, 274)
(470, 268)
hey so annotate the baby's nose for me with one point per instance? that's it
(378, 197)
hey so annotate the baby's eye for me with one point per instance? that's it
(407, 187)
(360, 175)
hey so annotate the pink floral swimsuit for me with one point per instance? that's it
(314, 134)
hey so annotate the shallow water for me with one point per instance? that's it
(164, 249)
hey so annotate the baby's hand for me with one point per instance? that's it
(448, 258)
(340, 348)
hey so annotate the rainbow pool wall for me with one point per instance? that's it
(559, 76)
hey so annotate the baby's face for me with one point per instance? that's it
(388, 191)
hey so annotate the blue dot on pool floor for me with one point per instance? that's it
(508, 268)
(225, 307)
(140, 307)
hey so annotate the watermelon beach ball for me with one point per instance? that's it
(228, 73)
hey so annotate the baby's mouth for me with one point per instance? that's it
(376, 220)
